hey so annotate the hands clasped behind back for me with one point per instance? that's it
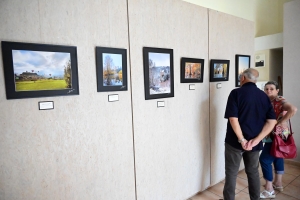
(248, 145)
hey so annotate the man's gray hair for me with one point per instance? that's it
(248, 73)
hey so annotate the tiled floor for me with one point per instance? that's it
(291, 184)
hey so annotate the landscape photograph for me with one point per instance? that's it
(41, 70)
(112, 69)
(192, 70)
(159, 73)
(220, 70)
(243, 65)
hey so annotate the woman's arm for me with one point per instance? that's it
(291, 110)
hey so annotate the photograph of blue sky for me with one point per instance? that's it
(243, 63)
(43, 63)
(160, 59)
(117, 59)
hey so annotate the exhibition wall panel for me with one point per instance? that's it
(89, 148)
(228, 36)
(172, 149)
(83, 148)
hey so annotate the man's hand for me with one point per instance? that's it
(252, 143)
(244, 145)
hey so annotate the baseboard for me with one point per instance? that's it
(292, 162)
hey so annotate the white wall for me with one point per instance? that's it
(291, 60)
(225, 43)
(83, 149)
(269, 42)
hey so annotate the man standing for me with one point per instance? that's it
(250, 118)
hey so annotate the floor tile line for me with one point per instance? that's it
(215, 194)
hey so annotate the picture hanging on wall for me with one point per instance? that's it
(219, 70)
(111, 68)
(260, 60)
(191, 70)
(242, 62)
(39, 70)
(158, 73)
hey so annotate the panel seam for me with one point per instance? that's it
(209, 98)
(132, 122)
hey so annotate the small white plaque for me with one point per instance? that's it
(46, 105)
(192, 87)
(219, 85)
(113, 97)
(160, 104)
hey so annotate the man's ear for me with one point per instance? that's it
(242, 78)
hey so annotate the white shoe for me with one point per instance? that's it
(267, 195)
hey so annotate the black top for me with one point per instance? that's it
(252, 107)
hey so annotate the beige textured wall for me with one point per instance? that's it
(171, 143)
(291, 60)
(228, 36)
(83, 149)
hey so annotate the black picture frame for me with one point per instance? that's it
(191, 70)
(158, 73)
(111, 69)
(34, 70)
(242, 62)
(219, 70)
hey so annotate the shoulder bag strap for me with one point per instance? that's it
(291, 127)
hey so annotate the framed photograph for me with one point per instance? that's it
(191, 70)
(242, 62)
(111, 68)
(39, 70)
(158, 73)
(219, 70)
(260, 60)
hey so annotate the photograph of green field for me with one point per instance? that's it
(41, 70)
(40, 85)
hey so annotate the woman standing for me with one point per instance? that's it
(284, 111)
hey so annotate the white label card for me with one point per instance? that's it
(192, 86)
(113, 97)
(46, 105)
(160, 104)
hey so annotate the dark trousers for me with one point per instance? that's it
(233, 159)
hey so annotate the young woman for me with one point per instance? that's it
(284, 111)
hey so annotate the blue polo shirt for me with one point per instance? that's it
(252, 107)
